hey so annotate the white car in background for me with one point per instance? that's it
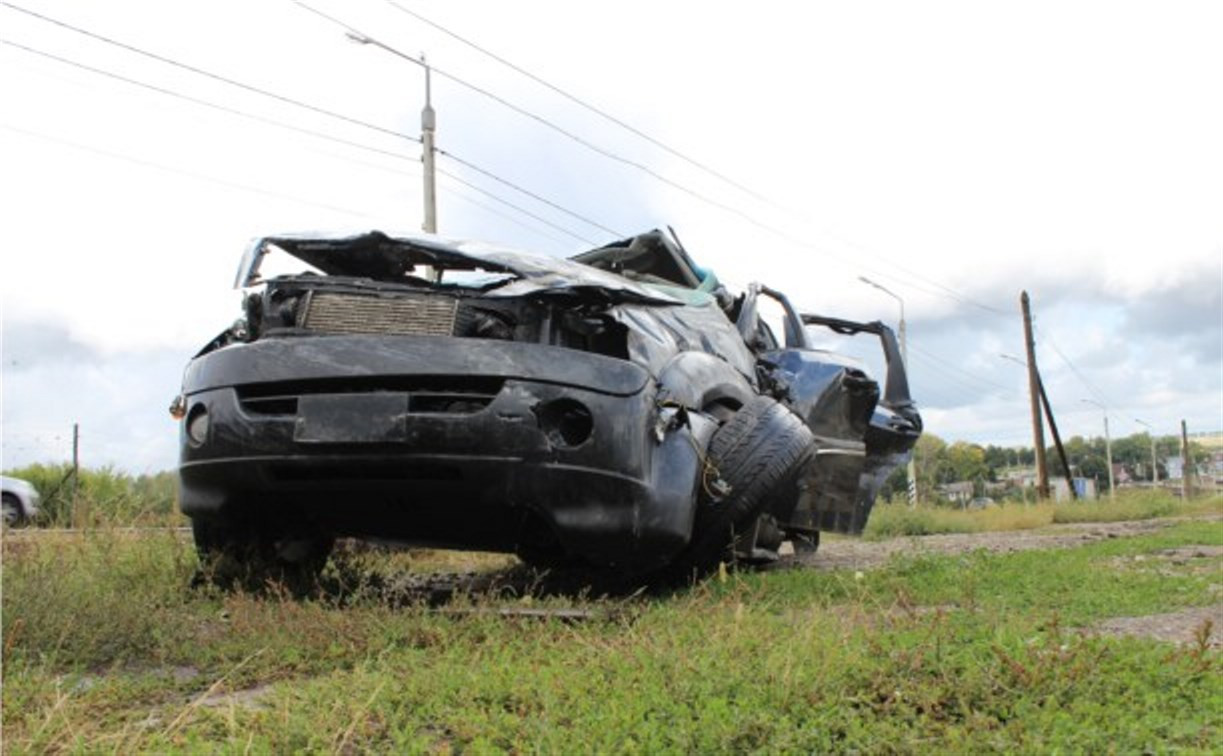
(20, 501)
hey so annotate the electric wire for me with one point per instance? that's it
(452, 191)
(202, 72)
(209, 104)
(183, 171)
(529, 193)
(506, 202)
(582, 103)
(1046, 339)
(958, 374)
(979, 379)
(321, 135)
(360, 36)
(947, 291)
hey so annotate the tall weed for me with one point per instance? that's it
(96, 597)
(101, 497)
(898, 519)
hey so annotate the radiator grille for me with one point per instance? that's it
(330, 312)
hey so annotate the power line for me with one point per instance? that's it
(1078, 374)
(182, 171)
(582, 103)
(507, 203)
(208, 103)
(532, 195)
(202, 72)
(948, 367)
(948, 291)
(362, 37)
(505, 216)
(321, 135)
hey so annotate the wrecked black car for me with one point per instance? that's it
(619, 409)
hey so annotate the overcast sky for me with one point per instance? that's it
(956, 153)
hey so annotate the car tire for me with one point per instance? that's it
(254, 557)
(14, 514)
(758, 453)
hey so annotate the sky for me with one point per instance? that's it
(956, 153)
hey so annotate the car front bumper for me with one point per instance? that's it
(449, 442)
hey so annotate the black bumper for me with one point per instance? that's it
(450, 442)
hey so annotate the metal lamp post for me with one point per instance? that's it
(428, 131)
(1108, 447)
(904, 358)
(1154, 458)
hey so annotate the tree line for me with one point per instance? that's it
(940, 463)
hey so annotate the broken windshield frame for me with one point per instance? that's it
(465, 274)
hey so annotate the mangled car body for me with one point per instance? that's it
(619, 409)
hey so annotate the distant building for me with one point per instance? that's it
(960, 492)
(1175, 468)
(1084, 488)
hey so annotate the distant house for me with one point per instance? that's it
(1084, 488)
(1121, 475)
(960, 492)
(1174, 467)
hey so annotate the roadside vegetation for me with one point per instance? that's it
(997, 472)
(896, 518)
(102, 496)
(105, 497)
(107, 647)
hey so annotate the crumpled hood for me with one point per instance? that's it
(391, 257)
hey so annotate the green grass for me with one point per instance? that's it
(105, 648)
(101, 497)
(897, 519)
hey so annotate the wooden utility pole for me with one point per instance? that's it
(1057, 437)
(1186, 466)
(76, 470)
(1038, 430)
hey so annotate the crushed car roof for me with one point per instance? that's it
(386, 256)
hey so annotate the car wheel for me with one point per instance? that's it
(235, 554)
(14, 515)
(758, 453)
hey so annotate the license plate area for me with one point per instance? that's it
(379, 418)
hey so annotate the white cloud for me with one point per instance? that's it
(1067, 148)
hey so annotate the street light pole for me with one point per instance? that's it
(428, 126)
(911, 470)
(1108, 448)
(428, 130)
(1154, 458)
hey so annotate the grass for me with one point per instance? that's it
(897, 519)
(101, 497)
(106, 648)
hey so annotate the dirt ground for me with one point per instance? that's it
(1195, 626)
(847, 553)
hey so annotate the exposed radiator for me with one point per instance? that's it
(421, 315)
